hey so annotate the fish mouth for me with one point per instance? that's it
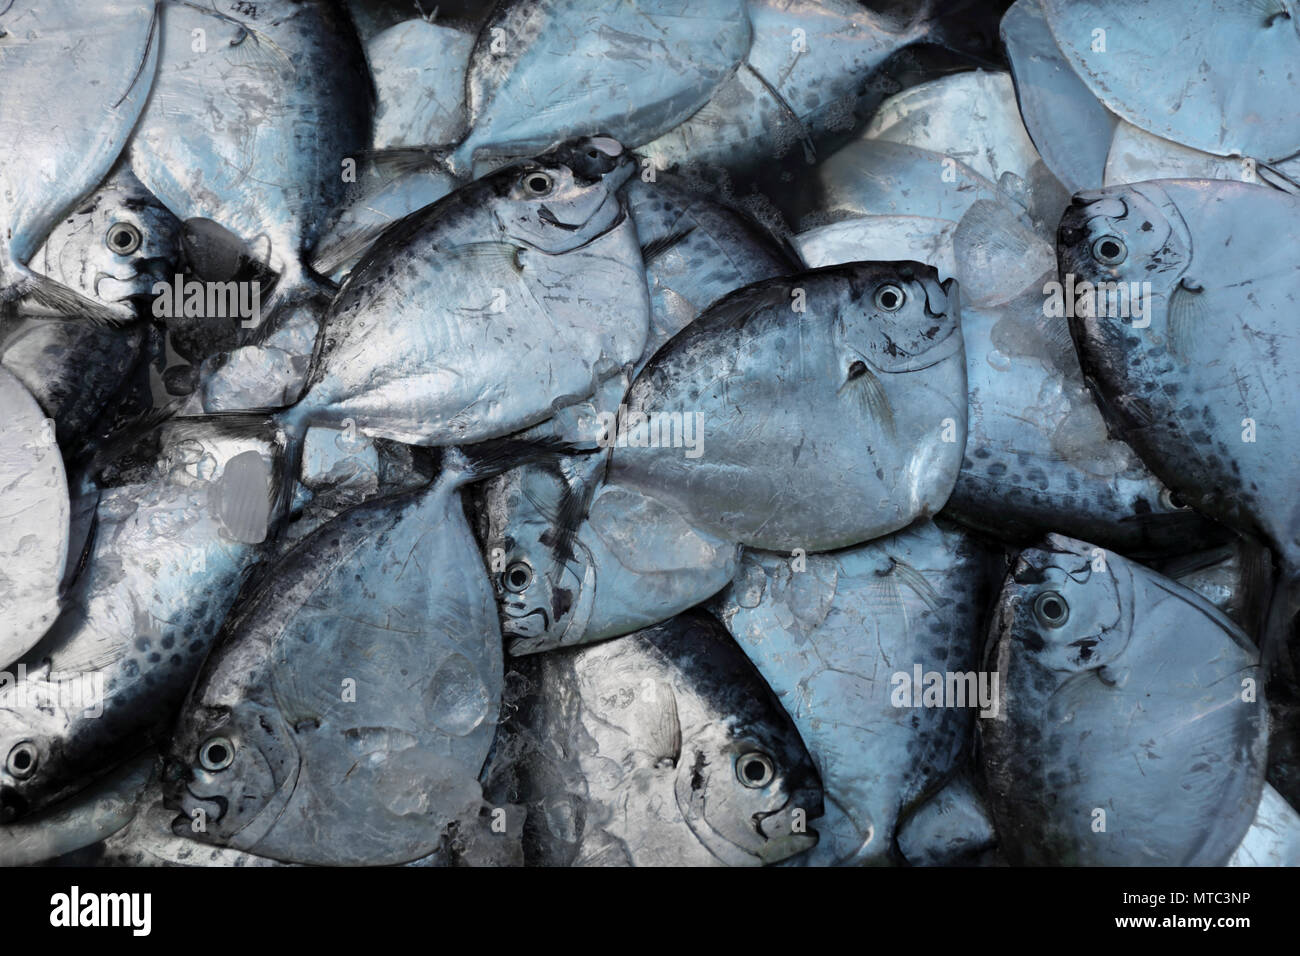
(777, 845)
(13, 805)
(545, 215)
(533, 624)
(214, 809)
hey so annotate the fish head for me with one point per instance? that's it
(1065, 606)
(565, 198)
(116, 246)
(32, 746)
(229, 769)
(745, 782)
(896, 316)
(1122, 234)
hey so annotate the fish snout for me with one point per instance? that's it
(13, 805)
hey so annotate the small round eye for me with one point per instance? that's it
(890, 298)
(517, 577)
(217, 753)
(21, 763)
(537, 184)
(123, 238)
(1051, 610)
(1109, 250)
(755, 769)
(1173, 501)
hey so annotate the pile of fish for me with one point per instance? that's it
(724, 432)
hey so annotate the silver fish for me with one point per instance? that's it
(63, 129)
(952, 828)
(179, 518)
(661, 748)
(253, 110)
(481, 314)
(1274, 836)
(419, 72)
(834, 424)
(1205, 393)
(34, 520)
(546, 70)
(1136, 156)
(837, 636)
(1069, 127)
(346, 712)
(1132, 727)
(1216, 76)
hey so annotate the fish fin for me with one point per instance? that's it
(263, 49)
(863, 385)
(350, 249)
(502, 257)
(805, 138)
(95, 456)
(1269, 10)
(291, 291)
(666, 726)
(144, 57)
(1257, 575)
(915, 580)
(653, 250)
(575, 503)
(401, 161)
(68, 303)
(1187, 314)
(486, 459)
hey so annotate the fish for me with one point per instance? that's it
(661, 748)
(91, 816)
(625, 561)
(350, 702)
(35, 520)
(696, 250)
(180, 514)
(1137, 156)
(112, 249)
(1069, 127)
(1274, 835)
(808, 75)
(1132, 726)
(419, 68)
(634, 71)
(831, 403)
(836, 636)
(1039, 456)
(64, 129)
(480, 315)
(1214, 76)
(1206, 393)
(264, 156)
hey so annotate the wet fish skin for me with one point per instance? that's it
(1125, 692)
(830, 633)
(637, 747)
(179, 522)
(389, 589)
(260, 156)
(1220, 349)
(571, 306)
(775, 394)
(60, 144)
(632, 71)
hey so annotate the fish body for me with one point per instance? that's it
(346, 712)
(774, 394)
(179, 520)
(660, 748)
(837, 637)
(1132, 727)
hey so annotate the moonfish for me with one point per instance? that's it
(838, 637)
(1132, 727)
(661, 748)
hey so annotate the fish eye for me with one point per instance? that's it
(217, 753)
(123, 238)
(1174, 501)
(1051, 609)
(755, 770)
(22, 760)
(1109, 250)
(537, 184)
(890, 298)
(517, 577)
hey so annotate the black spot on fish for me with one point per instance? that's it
(142, 643)
(697, 771)
(1032, 641)
(997, 469)
(561, 601)
(1146, 227)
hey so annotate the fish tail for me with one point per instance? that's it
(299, 286)
(469, 463)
